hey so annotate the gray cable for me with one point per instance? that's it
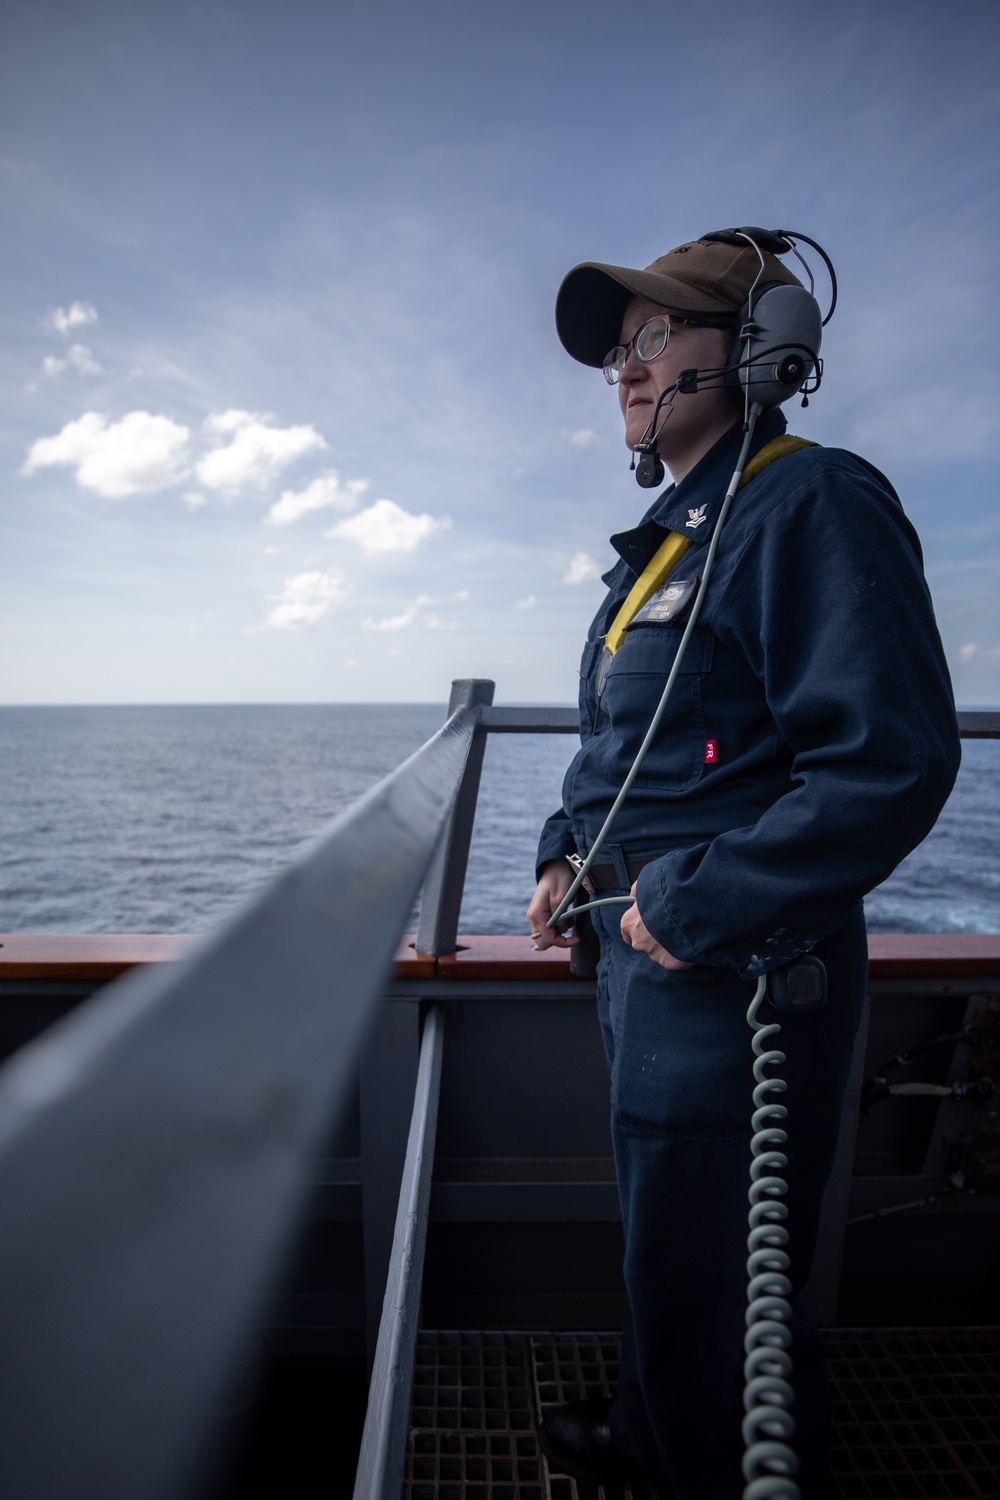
(745, 332)
(605, 901)
(654, 725)
(769, 1461)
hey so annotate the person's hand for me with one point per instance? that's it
(637, 935)
(556, 879)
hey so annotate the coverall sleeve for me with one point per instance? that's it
(556, 841)
(829, 606)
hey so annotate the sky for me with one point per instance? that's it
(285, 415)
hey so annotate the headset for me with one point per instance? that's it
(775, 349)
(774, 356)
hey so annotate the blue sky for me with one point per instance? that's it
(286, 418)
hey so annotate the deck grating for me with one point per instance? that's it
(916, 1413)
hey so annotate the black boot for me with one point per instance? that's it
(576, 1439)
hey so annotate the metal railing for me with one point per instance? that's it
(155, 1146)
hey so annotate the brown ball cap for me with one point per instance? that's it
(704, 279)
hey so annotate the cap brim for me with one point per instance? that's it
(593, 297)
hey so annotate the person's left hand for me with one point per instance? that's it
(637, 935)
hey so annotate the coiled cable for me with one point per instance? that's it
(769, 1461)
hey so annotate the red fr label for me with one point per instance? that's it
(711, 754)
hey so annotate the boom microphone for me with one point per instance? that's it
(649, 471)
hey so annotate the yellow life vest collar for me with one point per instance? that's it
(669, 553)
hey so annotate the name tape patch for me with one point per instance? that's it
(711, 753)
(666, 603)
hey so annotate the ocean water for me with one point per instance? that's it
(165, 819)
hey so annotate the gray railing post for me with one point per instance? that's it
(383, 1443)
(388, 1077)
(437, 929)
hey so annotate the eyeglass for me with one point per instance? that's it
(648, 343)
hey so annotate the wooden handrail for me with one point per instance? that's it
(105, 956)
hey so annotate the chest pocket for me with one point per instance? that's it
(588, 687)
(635, 681)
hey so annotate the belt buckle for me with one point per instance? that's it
(576, 863)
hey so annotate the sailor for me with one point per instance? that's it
(810, 743)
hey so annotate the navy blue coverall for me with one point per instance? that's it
(809, 745)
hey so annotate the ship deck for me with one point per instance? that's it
(916, 1413)
(916, 1409)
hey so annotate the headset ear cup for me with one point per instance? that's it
(733, 378)
(781, 348)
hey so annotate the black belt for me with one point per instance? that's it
(605, 877)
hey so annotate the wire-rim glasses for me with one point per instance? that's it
(649, 342)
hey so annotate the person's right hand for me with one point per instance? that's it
(556, 879)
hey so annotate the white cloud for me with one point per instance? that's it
(387, 527)
(400, 621)
(140, 454)
(226, 422)
(256, 453)
(193, 499)
(971, 652)
(325, 491)
(306, 598)
(583, 437)
(420, 610)
(581, 568)
(528, 603)
(80, 356)
(77, 315)
(77, 355)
